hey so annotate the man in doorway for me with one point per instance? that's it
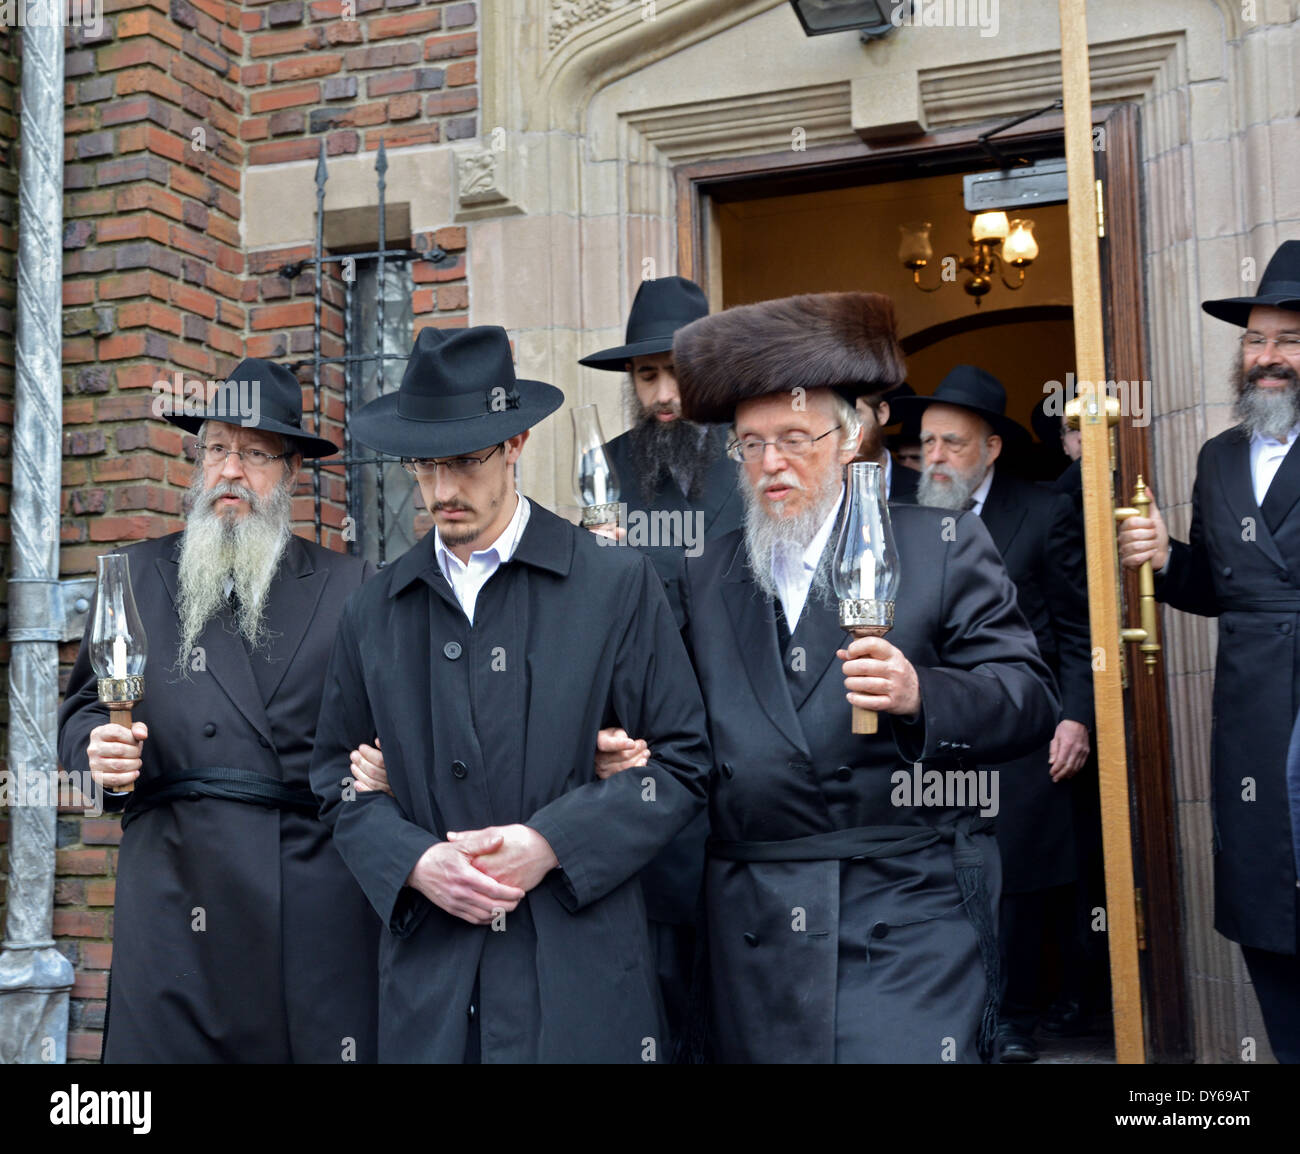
(238, 935)
(485, 660)
(874, 413)
(1241, 564)
(964, 428)
(849, 919)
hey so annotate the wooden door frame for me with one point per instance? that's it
(1118, 164)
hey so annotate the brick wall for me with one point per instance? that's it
(164, 111)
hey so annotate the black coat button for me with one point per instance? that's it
(1227, 570)
(751, 939)
(451, 650)
(1285, 627)
(459, 769)
(472, 1012)
(844, 773)
(727, 771)
(209, 729)
(879, 930)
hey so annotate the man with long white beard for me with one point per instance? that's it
(239, 935)
(1241, 564)
(964, 428)
(849, 918)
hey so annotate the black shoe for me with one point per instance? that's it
(1015, 1046)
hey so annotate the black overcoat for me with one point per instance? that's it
(870, 960)
(238, 933)
(1242, 565)
(1040, 538)
(569, 636)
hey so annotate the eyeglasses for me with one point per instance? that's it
(1288, 344)
(750, 449)
(217, 453)
(458, 466)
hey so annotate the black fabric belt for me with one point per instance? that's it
(222, 782)
(881, 841)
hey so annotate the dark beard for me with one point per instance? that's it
(662, 451)
(1270, 412)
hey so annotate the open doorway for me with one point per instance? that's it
(755, 228)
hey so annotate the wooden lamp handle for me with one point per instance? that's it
(121, 715)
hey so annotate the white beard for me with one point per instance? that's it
(1270, 412)
(955, 493)
(216, 547)
(766, 531)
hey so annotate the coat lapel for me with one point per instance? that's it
(224, 657)
(1001, 515)
(818, 635)
(1284, 491)
(1238, 487)
(754, 624)
(291, 604)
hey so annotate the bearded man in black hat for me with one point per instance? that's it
(239, 935)
(485, 660)
(1241, 564)
(666, 464)
(850, 916)
(964, 429)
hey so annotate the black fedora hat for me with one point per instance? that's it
(1279, 288)
(459, 394)
(970, 388)
(659, 309)
(261, 395)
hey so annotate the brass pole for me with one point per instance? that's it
(1099, 526)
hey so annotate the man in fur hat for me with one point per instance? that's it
(485, 660)
(238, 933)
(850, 886)
(1241, 564)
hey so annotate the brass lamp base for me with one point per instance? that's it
(607, 513)
(120, 694)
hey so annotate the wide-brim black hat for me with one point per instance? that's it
(968, 387)
(659, 309)
(459, 394)
(842, 341)
(1279, 288)
(261, 395)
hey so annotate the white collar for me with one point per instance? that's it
(501, 550)
(981, 493)
(1264, 441)
(812, 554)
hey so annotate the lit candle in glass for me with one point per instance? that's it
(989, 226)
(1020, 248)
(118, 646)
(595, 480)
(866, 570)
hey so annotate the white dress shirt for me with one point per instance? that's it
(1266, 456)
(981, 493)
(793, 570)
(467, 580)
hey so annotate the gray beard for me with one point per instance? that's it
(661, 452)
(949, 494)
(1269, 412)
(764, 534)
(215, 547)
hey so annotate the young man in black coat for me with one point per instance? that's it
(849, 898)
(964, 429)
(485, 660)
(239, 935)
(1241, 564)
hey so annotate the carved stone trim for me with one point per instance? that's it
(483, 187)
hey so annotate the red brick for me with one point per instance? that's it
(445, 47)
(266, 345)
(92, 985)
(83, 1046)
(382, 56)
(404, 107)
(254, 129)
(96, 955)
(440, 322)
(148, 80)
(124, 469)
(444, 103)
(120, 346)
(462, 72)
(159, 437)
(452, 239)
(453, 296)
(194, 300)
(137, 528)
(282, 43)
(78, 292)
(79, 412)
(344, 32)
(132, 228)
(402, 136)
(276, 98)
(150, 314)
(281, 316)
(282, 151)
(306, 67)
(147, 24)
(407, 24)
(131, 53)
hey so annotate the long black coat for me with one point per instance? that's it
(873, 960)
(284, 968)
(1040, 538)
(493, 724)
(1242, 565)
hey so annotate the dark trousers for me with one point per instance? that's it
(1023, 918)
(1277, 986)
